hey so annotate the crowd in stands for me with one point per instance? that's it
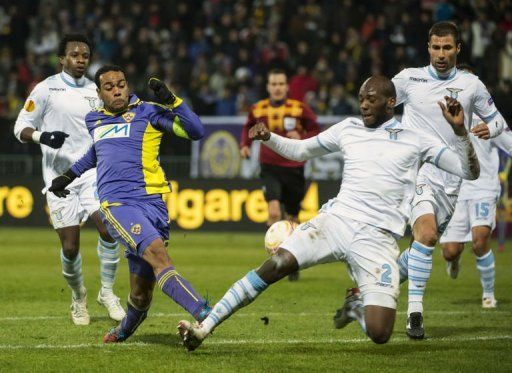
(215, 53)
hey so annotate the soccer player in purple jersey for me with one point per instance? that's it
(126, 136)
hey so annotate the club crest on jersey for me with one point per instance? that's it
(393, 132)
(419, 189)
(92, 101)
(454, 92)
(136, 229)
(110, 131)
(128, 116)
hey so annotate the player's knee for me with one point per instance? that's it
(69, 250)
(480, 247)
(156, 255)
(428, 236)
(450, 253)
(379, 336)
(278, 266)
(378, 332)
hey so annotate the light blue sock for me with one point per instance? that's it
(485, 265)
(108, 253)
(242, 293)
(418, 271)
(403, 262)
(72, 271)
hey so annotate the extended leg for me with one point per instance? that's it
(241, 294)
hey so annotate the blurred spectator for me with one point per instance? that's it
(217, 51)
(302, 83)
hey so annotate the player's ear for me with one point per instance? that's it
(458, 48)
(391, 103)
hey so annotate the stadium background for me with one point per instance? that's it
(215, 54)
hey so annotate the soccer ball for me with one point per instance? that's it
(277, 233)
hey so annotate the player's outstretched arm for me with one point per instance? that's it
(463, 162)
(175, 115)
(296, 150)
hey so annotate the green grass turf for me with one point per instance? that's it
(37, 335)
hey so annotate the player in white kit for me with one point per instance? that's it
(419, 89)
(361, 224)
(474, 218)
(53, 116)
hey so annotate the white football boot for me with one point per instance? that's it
(79, 313)
(110, 301)
(489, 302)
(192, 334)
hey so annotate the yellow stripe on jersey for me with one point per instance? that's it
(117, 226)
(178, 129)
(154, 177)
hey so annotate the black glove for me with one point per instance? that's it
(60, 183)
(162, 93)
(53, 139)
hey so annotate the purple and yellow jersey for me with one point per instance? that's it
(126, 147)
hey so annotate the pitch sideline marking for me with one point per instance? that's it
(254, 342)
(259, 314)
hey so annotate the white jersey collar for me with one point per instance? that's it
(72, 82)
(434, 74)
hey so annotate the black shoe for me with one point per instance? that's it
(294, 276)
(414, 328)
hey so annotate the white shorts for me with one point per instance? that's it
(469, 214)
(370, 253)
(78, 205)
(430, 187)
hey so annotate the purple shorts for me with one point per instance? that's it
(136, 224)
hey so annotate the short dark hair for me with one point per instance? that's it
(276, 71)
(69, 38)
(445, 28)
(105, 69)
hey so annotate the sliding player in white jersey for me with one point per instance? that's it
(359, 226)
(54, 116)
(419, 89)
(474, 218)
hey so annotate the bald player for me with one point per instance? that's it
(361, 224)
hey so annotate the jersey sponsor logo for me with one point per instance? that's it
(93, 101)
(128, 116)
(420, 80)
(454, 92)
(136, 229)
(58, 89)
(110, 131)
(29, 106)
(393, 132)
(490, 101)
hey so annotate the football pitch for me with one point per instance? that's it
(36, 333)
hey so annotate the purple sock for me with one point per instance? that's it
(180, 291)
(132, 320)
